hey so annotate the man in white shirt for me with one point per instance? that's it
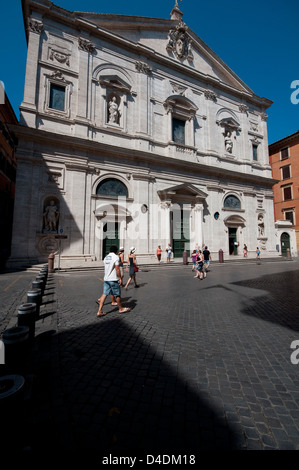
(112, 281)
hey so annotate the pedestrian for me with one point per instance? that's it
(199, 265)
(194, 258)
(159, 253)
(258, 253)
(112, 280)
(207, 259)
(169, 252)
(245, 251)
(121, 264)
(133, 267)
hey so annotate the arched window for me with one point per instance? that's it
(112, 187)
(232, 202)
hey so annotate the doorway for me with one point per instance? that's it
(110, 236)
(180, 227)
(285, 243)
(232, 240)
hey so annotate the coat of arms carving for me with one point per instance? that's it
(179, 42)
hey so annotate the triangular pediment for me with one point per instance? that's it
(182, 191)
(161, 37)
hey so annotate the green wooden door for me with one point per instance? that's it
(232, 239)
(285, 243)
(181, 233)
(110, 236)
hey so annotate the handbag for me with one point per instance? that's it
(136, 269)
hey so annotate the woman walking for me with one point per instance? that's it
(199, 267)
(121, 264)
(132, 271)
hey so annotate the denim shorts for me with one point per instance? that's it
(112, 288)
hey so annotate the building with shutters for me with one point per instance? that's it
(133, 131)
(284, 160)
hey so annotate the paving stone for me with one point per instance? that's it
(203, 366)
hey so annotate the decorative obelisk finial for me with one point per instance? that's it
(176, 13)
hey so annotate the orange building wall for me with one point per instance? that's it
(292, 142)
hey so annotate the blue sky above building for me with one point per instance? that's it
(258, 40)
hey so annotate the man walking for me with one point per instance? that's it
(207, 259)
(112, 281)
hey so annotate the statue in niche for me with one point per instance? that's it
(261, 228)
(113, 111)
(51, 216)
(228, 142)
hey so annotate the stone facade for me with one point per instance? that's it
(132, 130)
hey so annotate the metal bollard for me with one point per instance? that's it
(16, 348)
(12, 393)
(35, 296)
(38, 284)
(185, 257)
(26, 317)
(221, 259)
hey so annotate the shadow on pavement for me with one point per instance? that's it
(108, 392)
(283, 305)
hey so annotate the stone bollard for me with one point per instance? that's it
(51, 258)
(35, 296)
(185, 257)
(26, 317)
(221, 259)
(288, 253)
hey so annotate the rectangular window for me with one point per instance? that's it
(178, 131)
(290, 216)
(285, 171)
(57, 97)
(254, 152)
(287, 193)
(284, 153)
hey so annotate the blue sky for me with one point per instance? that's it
(258, 40)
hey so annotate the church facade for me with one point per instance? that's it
(134, 132)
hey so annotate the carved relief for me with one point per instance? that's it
(254, 126)
(210, 95)
(86, 45)
(179, 43)
(60, 57)
(264, 116)
(142, 67)
(243, 108)
(179, 89)
(57, 75)
(35, 26)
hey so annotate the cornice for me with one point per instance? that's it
(37, 137)
(279, 144)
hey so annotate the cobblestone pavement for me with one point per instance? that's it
(195, 365)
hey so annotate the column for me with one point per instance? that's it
(85, 49)
(166, 234)
(198, 223)
(29, 101)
